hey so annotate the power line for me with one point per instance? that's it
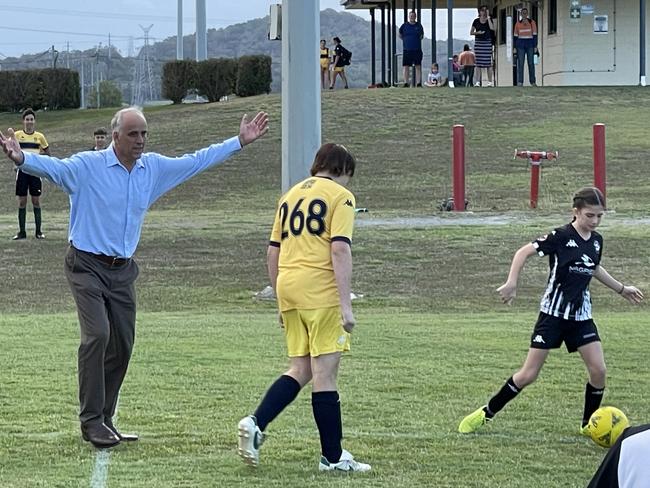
(119, 16)
(47, 31)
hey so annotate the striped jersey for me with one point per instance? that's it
(572, 262)
(310, 216)
(626, 463)
(33, 143)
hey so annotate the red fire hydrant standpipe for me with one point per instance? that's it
(535, 159)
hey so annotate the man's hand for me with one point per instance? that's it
(252, 130)
(11, 147)
(347, 320)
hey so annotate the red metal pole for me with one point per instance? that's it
(458, 168)
(534, 181)
(600, 165)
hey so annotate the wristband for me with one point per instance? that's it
(622, 289)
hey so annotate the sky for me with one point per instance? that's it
(85, 24)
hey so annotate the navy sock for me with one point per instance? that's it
(593, 397)
(22, 214)
(37, 219)
(507, 392)
(327, 413)
(278, 396)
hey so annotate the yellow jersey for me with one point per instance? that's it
(310, 216)
(33, 143)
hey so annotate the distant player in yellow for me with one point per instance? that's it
(35, 142)
(310, 266)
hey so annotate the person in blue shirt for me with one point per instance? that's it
(411, 33)
(110, 192)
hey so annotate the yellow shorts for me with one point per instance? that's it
(324, 64)
(314, 332)
(339, 69)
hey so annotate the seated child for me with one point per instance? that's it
(434, 78)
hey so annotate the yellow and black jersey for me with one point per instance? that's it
(34, 142)
(310, 216)
(324, 57)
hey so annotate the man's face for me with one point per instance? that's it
(524, 13)
(100, 141)
(28, 123)
(412, 17)
(131, 137)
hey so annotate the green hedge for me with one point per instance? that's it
(177, 78)
(38, 89)
(216, 78)
(254, 75)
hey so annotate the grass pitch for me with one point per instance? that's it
(433, 342)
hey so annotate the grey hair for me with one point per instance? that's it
(116, 121)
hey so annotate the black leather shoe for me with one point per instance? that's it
(40, 235)
(99, 435)
(19, 236)
(122, 437)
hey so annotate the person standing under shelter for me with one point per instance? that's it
(110, 192)
(483, 32)
(525, 40)
(33, 142)
(309, 261)
(467, 61)
(411, 33)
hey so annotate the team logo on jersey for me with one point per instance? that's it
(596, 246)
(585, 266)
(348, 203)
(571, 243)
(542, 238)
(587, 261)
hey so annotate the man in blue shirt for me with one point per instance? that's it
(110, 192)
(411, 33)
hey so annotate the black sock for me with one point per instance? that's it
(327, 413)
(37, 219)
(278, 396)
(22, 212)
(593, 397)
(507, 392)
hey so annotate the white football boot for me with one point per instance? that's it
(250, 441)
(346, 464)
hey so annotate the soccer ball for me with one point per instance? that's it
(606, 424)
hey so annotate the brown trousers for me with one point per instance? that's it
(105, 298)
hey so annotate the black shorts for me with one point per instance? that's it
(550, 332)
(411, 58)
(25, 182)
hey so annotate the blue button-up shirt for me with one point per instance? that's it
(108, 203)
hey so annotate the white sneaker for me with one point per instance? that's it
(250, 440)
(346, 463)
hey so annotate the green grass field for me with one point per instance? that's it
(432, 342)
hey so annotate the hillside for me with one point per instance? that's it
(236, 40)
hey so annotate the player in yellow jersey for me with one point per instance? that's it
(310, 266)
(30, 141)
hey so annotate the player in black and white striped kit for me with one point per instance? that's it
(626, 464)
(574, 252)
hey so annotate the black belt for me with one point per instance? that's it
(110, 260)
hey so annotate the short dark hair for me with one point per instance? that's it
(336, 39)
(466, 47)
(28, 111)
(589, 195)
(335, 159)
(100, 132)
